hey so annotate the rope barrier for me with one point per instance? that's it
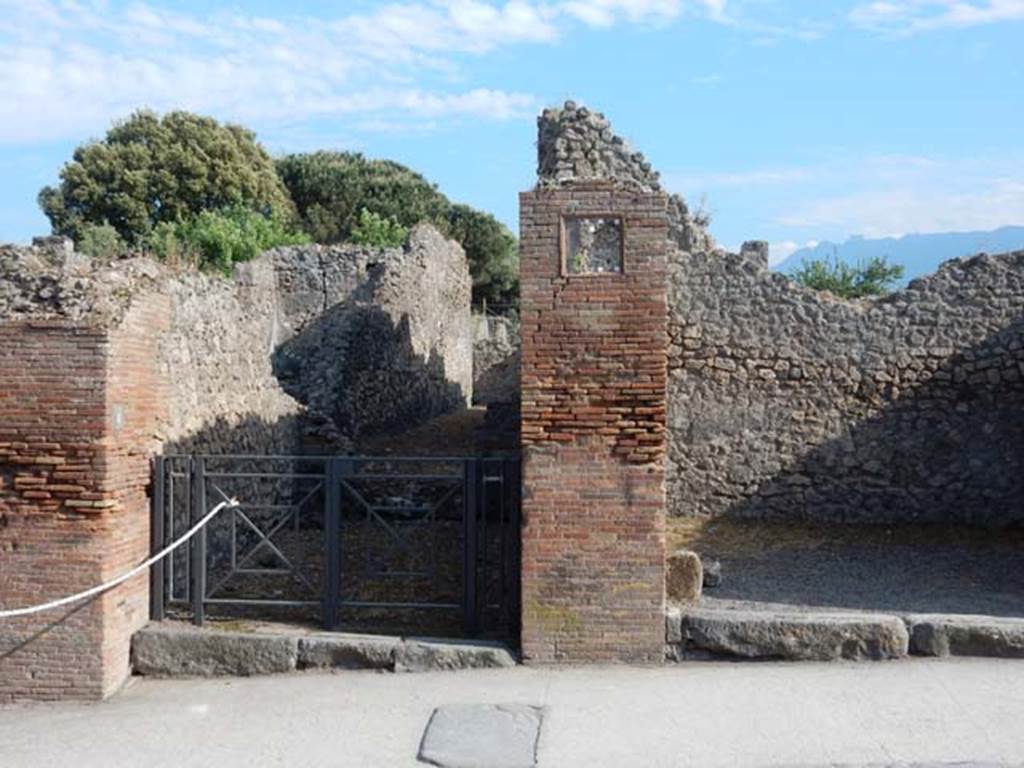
(123, 578)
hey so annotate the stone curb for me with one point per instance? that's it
(945, 635)
(828, 636)
(788, 636)
(177, 651)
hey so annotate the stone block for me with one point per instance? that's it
(429, 655)
(712, 572)
(344, 652)
(945, 635)
(790, 636)
(185, 652)
(684, 576)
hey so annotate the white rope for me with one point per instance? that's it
(123, 578)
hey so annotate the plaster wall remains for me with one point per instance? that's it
(788, 403)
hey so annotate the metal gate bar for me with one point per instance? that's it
(394, 507)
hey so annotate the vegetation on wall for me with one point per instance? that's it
(193, 190)
(216, 240)
(332, 189)
(373, 229)
(873, 277)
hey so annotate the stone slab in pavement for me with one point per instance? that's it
(482, 736)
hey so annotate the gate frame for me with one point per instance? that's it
(472, 474)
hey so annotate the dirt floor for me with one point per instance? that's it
(912, 569)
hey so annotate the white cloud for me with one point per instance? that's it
(779, 251)
(911, 16)
(604, 13)
(882, 195)
(895, 212)
(71, 66)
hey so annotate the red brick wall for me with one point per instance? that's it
(593, 425)
(73, 506)
(137, 407)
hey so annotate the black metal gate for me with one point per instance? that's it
(422, 545)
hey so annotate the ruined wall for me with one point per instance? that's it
(789, 403)
(575, 144)
(496, 344)
(104, 365)
(376, 339)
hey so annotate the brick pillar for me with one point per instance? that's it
(78, 413)
(593, 427)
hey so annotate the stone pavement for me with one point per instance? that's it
(709, 714)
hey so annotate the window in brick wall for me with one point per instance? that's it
(591, 245)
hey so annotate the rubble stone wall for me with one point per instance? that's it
(788, 403)
(784, 402)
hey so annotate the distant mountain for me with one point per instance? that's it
(919, 254)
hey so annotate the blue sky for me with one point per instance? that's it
(791, 121)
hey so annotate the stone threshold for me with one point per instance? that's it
(805, 635)
(168, 649)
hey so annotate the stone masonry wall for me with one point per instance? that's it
(376, 340)
(593, 411)
(787, 403)
(102, 366)
(496, 346)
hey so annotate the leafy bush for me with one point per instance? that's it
(100, 241)
(219, 239)
(332, 189)
(874, 277)
(374, 229)
(150, 170)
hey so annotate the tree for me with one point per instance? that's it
(150, 170)
(492, 251)
(874, 277)
(331, 190)
(374, 229)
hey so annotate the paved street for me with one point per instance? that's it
(699, 714)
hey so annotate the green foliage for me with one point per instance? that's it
(374, 229)
(332, 189)
(874, 277)
(219, 239)
(100, 241)
(150, 170)
(492, 251)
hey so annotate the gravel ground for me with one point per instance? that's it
(907, 569)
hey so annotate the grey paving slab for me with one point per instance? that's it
(482, 736)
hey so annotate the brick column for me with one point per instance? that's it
(79, 409)
(593, 424)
